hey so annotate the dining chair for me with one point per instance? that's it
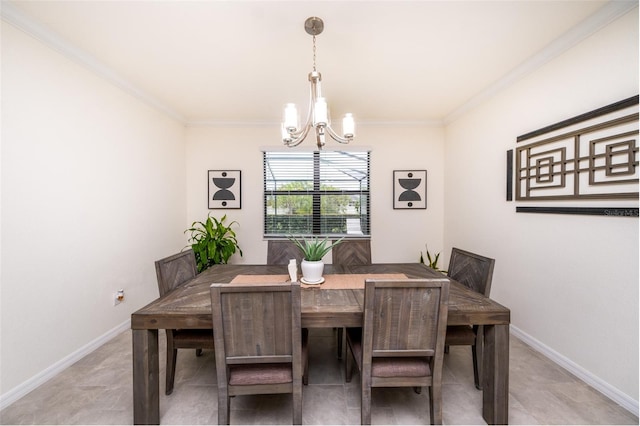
(475, 272)
(258, 342)
(172, 272)
(401, 342)
(350, 252)
(279, 252)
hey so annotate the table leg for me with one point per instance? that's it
(495, 383)
(146, 370)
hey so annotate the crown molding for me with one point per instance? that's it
(602, 17)
(231, 123)
(14, 16)
(263, 123)
(598, 20)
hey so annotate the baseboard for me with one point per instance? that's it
(21, 390)
(595, 382)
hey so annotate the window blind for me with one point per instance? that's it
(321, 193)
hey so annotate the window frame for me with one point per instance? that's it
(317, 193)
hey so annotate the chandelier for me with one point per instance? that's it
(318, 115)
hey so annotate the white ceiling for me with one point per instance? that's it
(242, 61)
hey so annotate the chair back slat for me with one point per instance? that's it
(279, 252)
(175, 270)
(352, 252)
(471, 270)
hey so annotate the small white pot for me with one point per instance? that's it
(312, 271)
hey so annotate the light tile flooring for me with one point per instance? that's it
(98, 390)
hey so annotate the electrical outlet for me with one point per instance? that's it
(118, 297)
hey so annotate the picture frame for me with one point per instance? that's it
(410, 189)
(224, 189)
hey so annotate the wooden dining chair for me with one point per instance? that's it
(401, 342)
(172, 272)
(258, 342)
(352, 252)
(279, 252)
(475, 272)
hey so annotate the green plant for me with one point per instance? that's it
(314, 249)
(433, 261)
(213, 242)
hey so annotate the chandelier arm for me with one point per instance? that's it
(298, 137)
(308, 122)
(336, 137)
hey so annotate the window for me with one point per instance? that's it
(316, 193)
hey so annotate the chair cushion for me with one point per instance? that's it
(260, 374)
(400, 367)
(460, 335)
(388, 367)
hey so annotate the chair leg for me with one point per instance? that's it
(297, 403)
(476, 367)
(365, 405)
(446, 349)
(435, 404)
(172, 354)
(224, 408)
(340, 334)
(198, 352)
(305, 356)
(348, 365)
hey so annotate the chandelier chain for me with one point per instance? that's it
(314, 53)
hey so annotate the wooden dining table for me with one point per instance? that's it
(189, 306)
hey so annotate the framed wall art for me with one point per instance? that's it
(409, 189)
(224, 189)
(575, 165)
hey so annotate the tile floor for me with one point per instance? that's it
(98, 390)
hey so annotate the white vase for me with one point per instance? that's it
(312, 271)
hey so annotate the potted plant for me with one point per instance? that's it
(432, 261)
(313, 250)
(213, 242)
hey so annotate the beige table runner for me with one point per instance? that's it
(331, 281)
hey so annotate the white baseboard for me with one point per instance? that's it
(595, 382)
(21, 390)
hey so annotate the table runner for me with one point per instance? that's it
(331, 281)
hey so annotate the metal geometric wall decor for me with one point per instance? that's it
(224, 189)
(409, 189)
(510, 175)
(593, 156)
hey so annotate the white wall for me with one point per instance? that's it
(92, 193)
(396, 235)
(571, 282)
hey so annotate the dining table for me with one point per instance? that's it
(332, 304)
